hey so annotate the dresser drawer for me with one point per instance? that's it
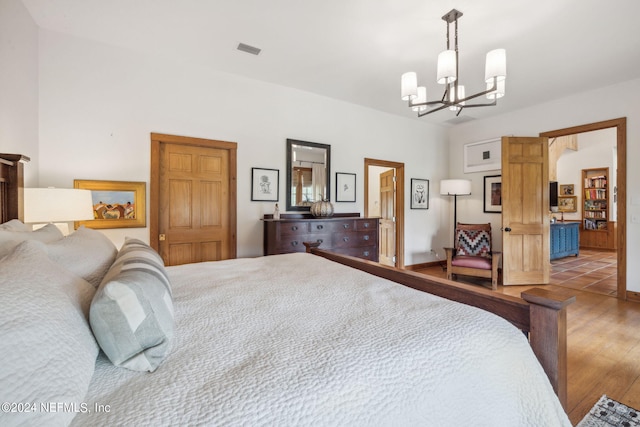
(367, 252)
(294, 243)
(355, 239)
(332, 226)
(366, 224)
(294, 228)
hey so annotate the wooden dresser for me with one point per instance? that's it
(347, 234)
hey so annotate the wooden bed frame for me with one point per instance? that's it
(541, 314)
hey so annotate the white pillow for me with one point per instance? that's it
(9, 239)
(47, 349)
(87, 253)
(14, 225)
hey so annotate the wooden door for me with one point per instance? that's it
(195, 199)
(387, 220)
(525, 210)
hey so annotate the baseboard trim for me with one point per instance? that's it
(633, 296)
(420, 266)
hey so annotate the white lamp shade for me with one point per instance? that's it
(453, 98)
(455, 187)
(447, 67)
(57, 205)
(499, 92)
(496, 65)
(422, 97)
(409, 86)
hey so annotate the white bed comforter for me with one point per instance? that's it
(294, 340)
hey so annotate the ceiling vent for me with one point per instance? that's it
(249, 49)
(459, 120)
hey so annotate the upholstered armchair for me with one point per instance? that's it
(472, 254)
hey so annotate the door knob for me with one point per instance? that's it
(507, 229)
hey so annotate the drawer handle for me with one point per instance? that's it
(345, 225)
(366, 237)
(320, 227)
(346, 239)
(366, 253)
(366, 225)
(294, 228)
(294, 243)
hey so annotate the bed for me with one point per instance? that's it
(297, 339)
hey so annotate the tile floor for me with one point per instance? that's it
(591, 271)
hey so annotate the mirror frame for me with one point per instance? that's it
(290, 143)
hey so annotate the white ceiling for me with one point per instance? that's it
(356, 50)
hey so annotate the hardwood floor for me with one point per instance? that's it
(603, 336)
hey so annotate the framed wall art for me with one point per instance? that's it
(419, 193)
(116, 204)
(483, 155)
(345, 187)
(566, 190)
(493, 194)
(567, 204)
(265, 185)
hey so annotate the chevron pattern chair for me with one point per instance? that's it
(472, 254)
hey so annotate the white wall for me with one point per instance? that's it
(19, 85)
(99, 104)
(589, 107)
(594, 151)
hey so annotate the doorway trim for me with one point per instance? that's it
(399, 167)
(621, 176)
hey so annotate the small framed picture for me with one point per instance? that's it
(567, 204)
(483, 155)
(419, 193)
(493, 194)
(264, 184)
(345, 187)
(566, 190)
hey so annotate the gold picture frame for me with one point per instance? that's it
(567, 203)
(116, 204)
(566, 190)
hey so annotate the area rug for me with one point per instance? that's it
(608, 412)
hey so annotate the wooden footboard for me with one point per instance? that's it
(540, 313)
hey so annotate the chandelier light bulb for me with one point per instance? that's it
(498, 93)
(455, 99)
(422, 97)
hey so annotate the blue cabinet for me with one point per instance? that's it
(565, 239)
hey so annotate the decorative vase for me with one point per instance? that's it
(322, 208)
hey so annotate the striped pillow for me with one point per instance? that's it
(132, 312)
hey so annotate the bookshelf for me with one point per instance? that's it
(598, 231)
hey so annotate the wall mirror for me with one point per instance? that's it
(308, 173)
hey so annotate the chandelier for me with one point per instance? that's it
(454, 96)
